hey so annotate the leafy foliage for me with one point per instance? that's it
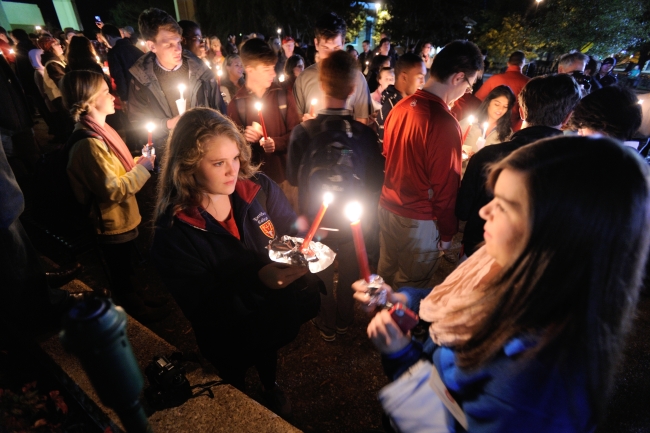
(510, 36)
(126, 13)
(611, 25)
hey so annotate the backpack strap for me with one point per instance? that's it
(262, 195)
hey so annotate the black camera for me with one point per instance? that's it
(583, 80)
(168, 386)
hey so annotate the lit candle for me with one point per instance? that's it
(11, 50)
(219, 73)
(258, 107)
(281, 78)
(485, 127)
(312, 109)
(279, 31)
(207, 63)
(471, 121)
(150, 128)
(97, 58)
(142, 43)
(38, 28)
(181, 88)
(353, 212)
(327, 199)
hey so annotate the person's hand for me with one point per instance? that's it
(252, 134)
(146, 161)
(268, 144)
(444, 245)
(280, 275)
(307, 116)
(386, 335)
(360, 288)
(171, 123)
(99, 24)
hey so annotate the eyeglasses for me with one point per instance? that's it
(470, 86)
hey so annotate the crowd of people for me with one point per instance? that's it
(244, 138)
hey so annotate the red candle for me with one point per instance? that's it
(312, 109)
(219, 76)
(471, 121)
(258, 107)
(150, 128)
(353, 211)
(327, 199)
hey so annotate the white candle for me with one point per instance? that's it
(485, 127)
(312, 109)
(97, 58)
(181, 88)
(281, 79)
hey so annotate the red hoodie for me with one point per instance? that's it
(422, 146)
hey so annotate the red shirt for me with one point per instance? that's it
(512, 78)
(423, 160)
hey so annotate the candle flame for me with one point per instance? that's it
(97, 57)
(37, 27)
(640, 101)
(219, 72)
(353, 211)
(327, 198)
(471, 119)
(181, 87)
(258, 106)
(485, 125)
(314, 101)
(11, 51)
(150, 127)
(281, 78)
(142, 43)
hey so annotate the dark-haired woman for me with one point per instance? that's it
(492, 110)
(376, 64)
(526, 334)
(292, 69)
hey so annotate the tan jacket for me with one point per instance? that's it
(95, 173)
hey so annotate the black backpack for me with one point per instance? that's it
(57, 203)
(331, 165)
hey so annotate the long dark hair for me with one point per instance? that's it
(291, 63)
(504, 124)
(81, 53)
(576, 283)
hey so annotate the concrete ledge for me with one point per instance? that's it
(229, 411)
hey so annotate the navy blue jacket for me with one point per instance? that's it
(212, 275)
(513, 392)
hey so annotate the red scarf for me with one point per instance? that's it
(112, 139)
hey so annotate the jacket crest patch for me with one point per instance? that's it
(268, 229)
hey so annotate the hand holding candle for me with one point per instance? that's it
(312, 109)
(471, 122)
(327, 199)
(353, 212)
(258, 107)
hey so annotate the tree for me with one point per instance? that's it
(510, 36)
(126, 13)
(610, 25)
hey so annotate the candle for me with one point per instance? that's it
(353, 212)
(312, 109)
(37, 27)
(485, 127)
(181, 89)
(258, 107)
(150, 128)
(97, 58)
(471, 121)
(142, 43)
(207, 63)
(327, 199)
(281, 79)
(11, 50)
(219, 73)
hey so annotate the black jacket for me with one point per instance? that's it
(121, 57)
(147, 101)
(212, 275)
(389, 98)
(14, 115)
(473, 195)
